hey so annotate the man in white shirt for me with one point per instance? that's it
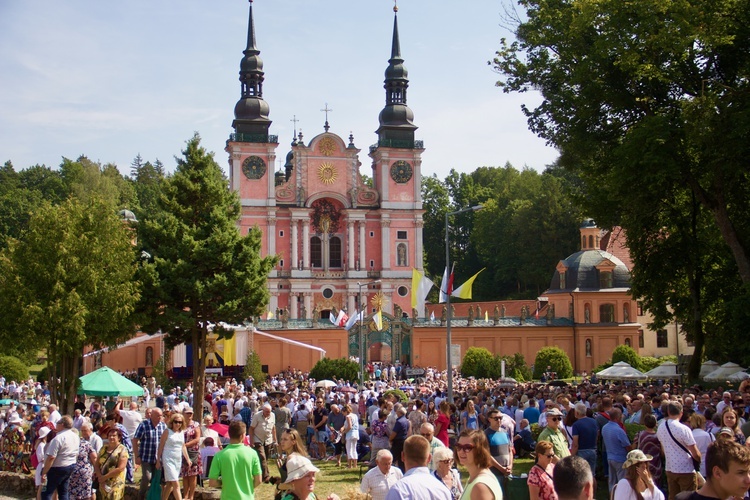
(130, 418)
(78, 419)
(88, 434)
(379, 479)
(61, 455)
(418, 483)
(54, 415)
(679, 450)
(726, 400)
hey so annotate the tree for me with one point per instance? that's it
(66, 283)
(203, 271)
(343, 369)
(627, 354)
(478, 362)
(556, 359)
(254, 369)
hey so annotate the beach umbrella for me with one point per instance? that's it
(707, 368)
(664, 370)
(326, 384)
(723, 372)
(107, 382)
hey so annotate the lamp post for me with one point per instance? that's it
(449, 314)
(361, 313)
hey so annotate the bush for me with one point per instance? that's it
(515, 366)
(479, 363)
(601, 367)
(556, 359)
(650, 362)
(398, 393)
(342, 368)
(627, 354)
(13, 368)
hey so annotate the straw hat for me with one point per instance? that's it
(636, 456)
(297, 467)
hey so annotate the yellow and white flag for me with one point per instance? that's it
(378, 319)
(464, 291)
(420, 287)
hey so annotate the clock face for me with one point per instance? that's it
(401, 171)
(327, 173)
(254, 167)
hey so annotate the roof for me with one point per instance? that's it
(581, 272)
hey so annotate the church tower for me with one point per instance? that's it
(331, 230)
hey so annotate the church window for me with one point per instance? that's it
(281, 233)
(641, 341)
(316, 252)
(401, 257)
(605, 279)
(372, 234)
(662, 341)
(281, 263)
(327, 293)
(149, 356)
(607, 313)
(335, 252)
(562, 280)
(401, 235)
(591, 242)
(583, 243)
(403, 291)
(372, 264)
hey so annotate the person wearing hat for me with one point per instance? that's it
(300, 479)
(39, 445)
(13, 442)
(236, 469)
(637, 482)
(554, 434)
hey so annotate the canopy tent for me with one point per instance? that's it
(707, 368)
(738, 377)
(107, 382)
(664, 371)
(723, 372)
(621, 371)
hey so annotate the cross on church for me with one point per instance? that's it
(326, 109)
(295, 121)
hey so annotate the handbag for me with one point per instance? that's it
(154, 491)
(696, 463)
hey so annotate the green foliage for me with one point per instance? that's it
(68, 282)
(398, 394)
(627, 354)
(479, 363)
(515, 367)
(203, 271)
(254, 369)
(601, 367)
(13, 368)
(556, 359)
(329, 369)
(159, 373)
(632, 429)
(650, 362)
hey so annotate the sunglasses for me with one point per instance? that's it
(550, 456)
(556, 419)
(465, 447)
(176, 422)
(448, 461)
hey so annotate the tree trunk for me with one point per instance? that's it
(72, 383)
(52, 372)
(199, 360)
(732, 239)
(61, 404)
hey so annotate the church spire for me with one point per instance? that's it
(396, 126)
(251, 111)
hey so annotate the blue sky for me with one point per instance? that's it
(114, 79)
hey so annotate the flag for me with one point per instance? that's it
(536, 314)
(378, 319)
(270, 315)
(420, 287)
(332, 317)
(341, 319)
(354, 319)
(486, 316)
(446, 285)
(464, 291)
(432, 316)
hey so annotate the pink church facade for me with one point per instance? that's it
(330, 229)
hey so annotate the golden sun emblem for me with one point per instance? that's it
(327, 173)
(327, 146)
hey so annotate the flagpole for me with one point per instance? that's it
(361, 346)
(449, 314)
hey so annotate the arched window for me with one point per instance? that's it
(605, 279)
(562, 280)
(583, 243)
(149, 356)
(335, 252)
(591, 241)
(316, 252)
(607, 313)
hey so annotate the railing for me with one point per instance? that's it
(258, 138)
(397, 143)
(328, 274)
(284, 274)
(373, 274)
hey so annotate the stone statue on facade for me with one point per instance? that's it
(496, 315)
(502, 311)
(443, 316)
(524, 314)
(398, 312)
(548, 317)
(285, 317)
(471, 315)
(414, 313)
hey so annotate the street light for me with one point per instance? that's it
(449, 314)
(361, 346)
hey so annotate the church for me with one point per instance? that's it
(332, 228)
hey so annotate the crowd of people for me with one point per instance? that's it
(412, 437)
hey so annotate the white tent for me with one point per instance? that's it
(621, 371)
(738, 377)
(665, 370)
(707, 368)
(723, 372)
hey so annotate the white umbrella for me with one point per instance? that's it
(664, 370)
(621, 371)
(707, 368)
(326, 384)
(738, 377)
(723, 372)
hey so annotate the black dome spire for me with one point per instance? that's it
(251, 111)
(396, 119)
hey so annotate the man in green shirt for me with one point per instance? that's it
(236, 468)
(555, 435)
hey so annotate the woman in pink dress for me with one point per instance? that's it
(540, 475)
